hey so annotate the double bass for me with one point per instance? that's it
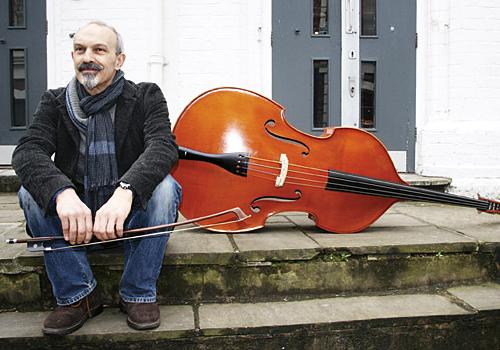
(238, 150)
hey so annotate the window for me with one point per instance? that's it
(320, 17)
(18, 87)
(17, 16)
(368, 17)
(368, 79)
(320, 94)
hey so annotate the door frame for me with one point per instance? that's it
(350, 63)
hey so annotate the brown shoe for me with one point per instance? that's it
(141, 315)
(67, 319)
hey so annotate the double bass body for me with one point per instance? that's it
(231, 120)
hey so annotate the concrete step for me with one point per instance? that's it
(9, 182)
(412, 246)
(465, 317)
(436, 183)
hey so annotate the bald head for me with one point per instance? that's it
(118, 47)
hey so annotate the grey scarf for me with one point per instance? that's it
(90, 114)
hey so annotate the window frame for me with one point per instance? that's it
(24, 26)
(361, 35)
(329, 65)
(11, 88)
(374, 61)
(328, 26)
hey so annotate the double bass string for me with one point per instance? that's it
(286, 181)
(295, 165)
(385, 191)
(360, 185)
(321, 183)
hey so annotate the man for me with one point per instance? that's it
(113, 150)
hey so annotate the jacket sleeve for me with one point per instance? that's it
(32, 157)
(160, 150)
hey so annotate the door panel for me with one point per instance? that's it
(305, 60)
(386, 60)
(22, 65)
(391, 53)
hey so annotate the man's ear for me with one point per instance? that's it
(120, 59)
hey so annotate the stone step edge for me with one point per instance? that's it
(24, 261)
(9, 182)
(187, 321)
(242, 250)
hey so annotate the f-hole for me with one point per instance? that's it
(255, 208)
(271, 123)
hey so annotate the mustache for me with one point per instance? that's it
(90, 66)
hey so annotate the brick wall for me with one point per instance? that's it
(458, 103)
(66, 16)
(217, 43)
(187, 47)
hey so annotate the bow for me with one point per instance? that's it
(37, 244)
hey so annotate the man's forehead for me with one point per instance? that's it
(93, 34)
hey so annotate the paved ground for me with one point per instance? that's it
(409, 227)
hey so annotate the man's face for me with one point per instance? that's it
(95, 59)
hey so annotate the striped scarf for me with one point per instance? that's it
(90, 114)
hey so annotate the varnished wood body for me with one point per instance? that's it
(235, 120)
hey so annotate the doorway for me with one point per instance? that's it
(23, 68)
(348, 63)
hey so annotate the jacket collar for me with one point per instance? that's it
(123, 113)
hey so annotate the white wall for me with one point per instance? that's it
(458, 103)
(189, 46)
(204, 43)
(130, 18)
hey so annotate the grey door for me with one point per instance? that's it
(388, 73)
(306, 46)
(23, 65)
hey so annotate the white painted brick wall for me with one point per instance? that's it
(205, 43)
(458, 103)
(66, 16)
(217, 43)
(210, 43)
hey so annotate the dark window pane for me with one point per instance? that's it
(369, 17)
(320, 94)
(368, 79)
(18, 87)
(320, 17)
(16, 13)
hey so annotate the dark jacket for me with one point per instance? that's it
(145, 146)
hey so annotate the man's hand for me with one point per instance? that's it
(75, 216)
(110, 217)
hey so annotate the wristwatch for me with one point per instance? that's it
(126, 186)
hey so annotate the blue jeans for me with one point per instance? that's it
(69, 271)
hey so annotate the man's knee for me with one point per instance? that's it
(26, 200)
(37, 223)
(164, 202)
(168, 190)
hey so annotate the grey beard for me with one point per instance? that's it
(90, 81)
